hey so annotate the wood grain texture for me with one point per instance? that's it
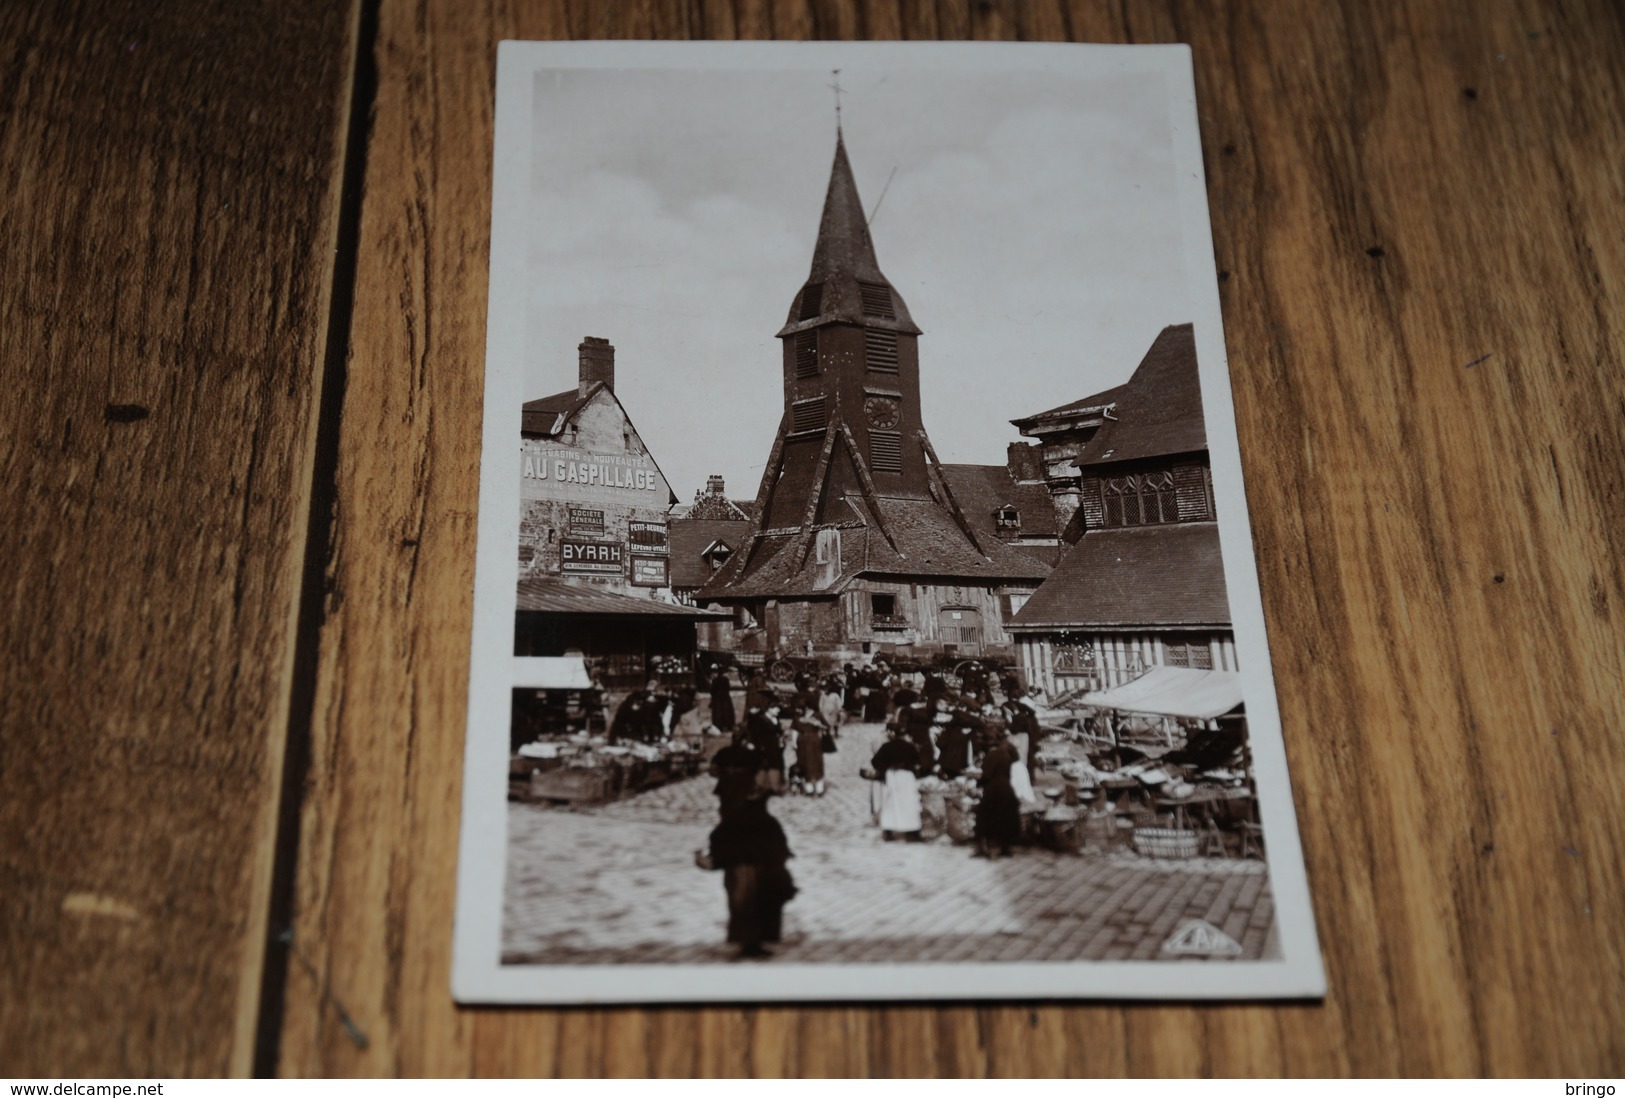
(1438, 538)
(166, 239)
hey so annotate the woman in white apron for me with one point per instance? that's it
(895, 765)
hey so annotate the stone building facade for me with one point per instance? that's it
(593, 500)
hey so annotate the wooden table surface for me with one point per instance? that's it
(243, 262)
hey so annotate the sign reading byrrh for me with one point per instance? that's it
(592, 558)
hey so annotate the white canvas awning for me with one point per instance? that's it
(551, 673)
(1173, 692)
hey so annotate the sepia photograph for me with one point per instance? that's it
(865, 605)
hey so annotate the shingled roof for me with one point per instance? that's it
(981, 490)
(928, 544)
(553, 596)
(1159, 410)
(1135, 577)
(690, 537)
(547, 415)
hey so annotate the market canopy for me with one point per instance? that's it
(551, 673)
(1173, 692)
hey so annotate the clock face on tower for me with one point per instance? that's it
(882, 411)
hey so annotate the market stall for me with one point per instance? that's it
(560, 749)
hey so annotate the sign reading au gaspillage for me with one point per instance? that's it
(591, 558)
(631, 472)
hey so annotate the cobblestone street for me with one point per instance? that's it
(618, 883)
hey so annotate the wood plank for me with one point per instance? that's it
(1438, 541)
(170, 175)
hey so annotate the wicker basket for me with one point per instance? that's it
(961, 819)
(1165, 842)
(933, 814)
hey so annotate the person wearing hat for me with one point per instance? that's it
(639, 717)
(722, 701)
(897, 765)
(762, 727)
(734, 768)
(750, 848)
(998, 813)
(758, 694)
(955, 740)
(809, 733)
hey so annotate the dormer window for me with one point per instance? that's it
(1008, 518)
(716, 554)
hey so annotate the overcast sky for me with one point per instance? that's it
(1031, 226)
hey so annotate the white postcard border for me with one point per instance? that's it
(478, 976)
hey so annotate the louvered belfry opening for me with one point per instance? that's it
(812, 300)
(877, 300)
(807, 354)
(808, 415)
(886, 451)
(880, 350)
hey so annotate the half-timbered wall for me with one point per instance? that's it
(1097, 661)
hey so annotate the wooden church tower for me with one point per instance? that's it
(853, 492)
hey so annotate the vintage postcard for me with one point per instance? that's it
(865, 604)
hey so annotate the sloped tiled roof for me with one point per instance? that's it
(689, 537)
(929, 545)
(547, 415)
(980, 490)
(553, 596)
(1136, 576)
(1159, 411)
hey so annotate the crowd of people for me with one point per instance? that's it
(952, 734)
(982, 729)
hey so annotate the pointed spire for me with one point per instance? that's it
(844, 264)
(844, 246)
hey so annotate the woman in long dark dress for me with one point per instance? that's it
(722, 702)
(998, 813)
(875, 701)
(810, 753)
(750, 848)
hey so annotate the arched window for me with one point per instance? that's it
(1139, 499)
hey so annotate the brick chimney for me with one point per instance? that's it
(1025, 462)
(713, 486)
(597, 364)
